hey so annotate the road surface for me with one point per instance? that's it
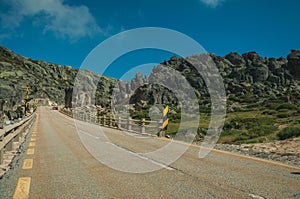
(56, 165)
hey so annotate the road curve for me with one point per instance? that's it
(62, 167)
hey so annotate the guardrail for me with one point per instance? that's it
(128, 124)
(12, 133)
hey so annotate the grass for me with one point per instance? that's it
(254, 124)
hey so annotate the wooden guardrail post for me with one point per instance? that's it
(1, 155)
(104, 120)
(118, 122)
(129, 124)
(110, 121)
(159, 125)
(88, 117)
(94, 119)
(98, 118)
(9, 145)
(143, 125)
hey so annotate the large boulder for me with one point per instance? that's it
(293, 64)
(235, 58)
(259, 73)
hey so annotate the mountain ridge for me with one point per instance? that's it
(242, 74)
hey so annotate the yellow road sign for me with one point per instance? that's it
(166, 110)
(165, 123)
(165, 118)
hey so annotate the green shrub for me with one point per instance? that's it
(283, 115)
(249, 100)
(234, 132)
(288, 106)
(269, 112)
(297, 121)
(233, 98)
(240, 138)
(283, 110)
(175, 117)
(261, 130)
(273, 104)
(296, 113)
(289, 132)
(253, 141)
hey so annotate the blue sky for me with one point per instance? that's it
(65, 31)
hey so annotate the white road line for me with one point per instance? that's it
(256, 196)
(143, 157)
(136, 135)
(86, 133)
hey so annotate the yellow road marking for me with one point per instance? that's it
(30, 151)
(22, 189)
(32, 139)
(27, 164)
(33, 135)
(232, 154)
(31, 144)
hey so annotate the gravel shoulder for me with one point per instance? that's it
(287, 151)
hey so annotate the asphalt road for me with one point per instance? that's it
(59, 166)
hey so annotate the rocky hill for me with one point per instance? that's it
(44, 79)
(248, 79)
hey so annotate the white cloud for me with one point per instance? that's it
(212, 3)
(63, 20)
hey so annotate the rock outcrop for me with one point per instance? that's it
(247, 78)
